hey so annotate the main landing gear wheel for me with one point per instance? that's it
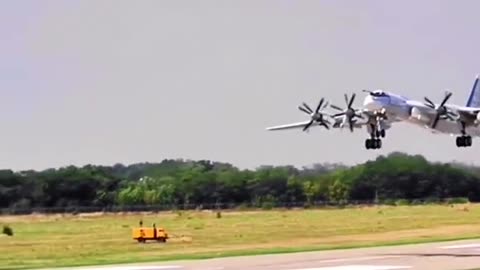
(464, 141)
(380, 133)
(373, 144)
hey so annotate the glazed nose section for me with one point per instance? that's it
(371, 103)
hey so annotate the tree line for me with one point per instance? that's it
(175, 182)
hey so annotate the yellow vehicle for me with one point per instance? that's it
(142, 234)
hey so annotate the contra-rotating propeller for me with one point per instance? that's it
(349, 113)
(316, 116)
(441, 110)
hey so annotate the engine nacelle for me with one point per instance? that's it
(477, 121)
(420, 116)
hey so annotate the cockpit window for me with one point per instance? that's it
(378, 93)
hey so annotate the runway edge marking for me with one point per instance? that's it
(359, 267)
(477, 245)
(133, 267)
(367, 258)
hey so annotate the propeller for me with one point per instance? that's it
(316, 116)
(441, 110)
(349, 113)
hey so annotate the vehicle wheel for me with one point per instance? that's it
(382, 133)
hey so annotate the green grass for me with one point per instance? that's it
(55, 240)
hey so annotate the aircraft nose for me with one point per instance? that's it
(368, 100)
(370, 103)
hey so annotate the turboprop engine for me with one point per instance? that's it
(419, 115)
(477, 121)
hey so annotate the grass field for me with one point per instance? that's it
(56, 240)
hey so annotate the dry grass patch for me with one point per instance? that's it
(59, 240)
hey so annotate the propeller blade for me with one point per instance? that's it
(352, 99)
(346, 99)
(303, 110)
(435, 122)
(325, 106)
(359, 116)
(350, 123)
(336, 107)
(429, 103)
(338, 114)
(307, 125)
(319, 105)
(451, 114)
(325, 125)
(307, 107)
(447, 97)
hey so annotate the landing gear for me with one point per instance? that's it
(375, 134)
(464, 141)
(380, 133)
(373, 144)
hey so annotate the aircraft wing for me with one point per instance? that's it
(464, 109)
(464, 112)
(291, 126)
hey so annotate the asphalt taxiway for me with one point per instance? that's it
(453, 255)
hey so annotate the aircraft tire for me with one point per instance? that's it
(378, 144)
(464, 141)
(468, 140)
(373, 144)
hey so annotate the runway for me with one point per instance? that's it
(454, 255)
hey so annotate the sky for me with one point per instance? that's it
(105, 82)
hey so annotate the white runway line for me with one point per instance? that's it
(368, 258)
(133, 267)
(359, 267)
(461, 246)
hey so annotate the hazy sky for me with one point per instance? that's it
(130, 81)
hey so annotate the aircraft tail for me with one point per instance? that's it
(474, 99)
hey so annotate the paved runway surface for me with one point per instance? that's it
(439, 256)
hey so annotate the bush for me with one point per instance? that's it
(389, 202)
(7, 230)
(432, 200)
(402, 202)
(242, 207)
(457, 200)
(417, 202)
(268, 205)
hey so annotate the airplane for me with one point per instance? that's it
(381, 109)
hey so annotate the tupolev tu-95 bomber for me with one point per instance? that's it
(381, 109)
